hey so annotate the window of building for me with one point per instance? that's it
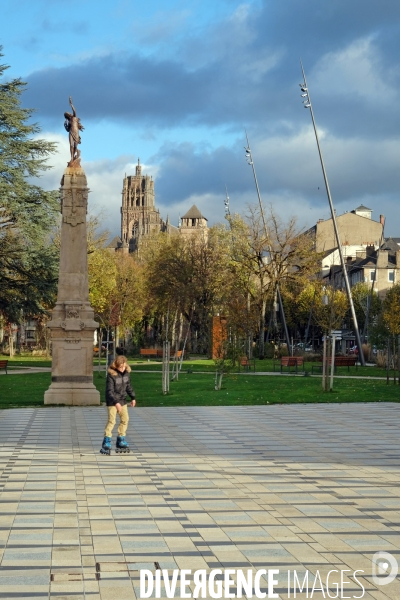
(193, 222)
(391, 276)
(373, 275)
(30, 335)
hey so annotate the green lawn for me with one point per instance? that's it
(197, 365)
(196, 389)
(26, 361)
(261, 366)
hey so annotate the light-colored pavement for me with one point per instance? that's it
(297, 487)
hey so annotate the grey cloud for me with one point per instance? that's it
(244, 70)
(286, 168)
(186, 169)
(119, 88)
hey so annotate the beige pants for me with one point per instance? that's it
(123, 420)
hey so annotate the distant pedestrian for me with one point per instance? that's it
(118, 386)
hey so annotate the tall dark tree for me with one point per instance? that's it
(28, 269)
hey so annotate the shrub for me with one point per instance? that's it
(366, 350)
(381, 359)
(269, 350)
(310, 357)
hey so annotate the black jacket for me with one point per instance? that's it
(118, 387)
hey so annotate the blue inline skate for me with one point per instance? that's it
(122, 444)
(106, 447)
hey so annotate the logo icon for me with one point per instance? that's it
(384, 568)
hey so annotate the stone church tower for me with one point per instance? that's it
(193, 223)
(139, 216)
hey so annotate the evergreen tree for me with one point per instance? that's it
(28, 267)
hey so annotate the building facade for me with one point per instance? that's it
(140, 218)
(193, 223)
(356, 228)
(378, 268)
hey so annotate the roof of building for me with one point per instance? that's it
(371, 261)
(392, 244)
(362, 207)
(193, 213)
(115, 242)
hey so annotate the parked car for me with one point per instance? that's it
(302, 347)
(352, 350)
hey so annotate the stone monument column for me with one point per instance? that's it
(72, 322)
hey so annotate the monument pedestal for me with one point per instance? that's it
(72, 322)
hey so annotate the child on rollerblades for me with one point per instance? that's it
(118, 386)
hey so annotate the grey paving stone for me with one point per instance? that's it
(291, 487)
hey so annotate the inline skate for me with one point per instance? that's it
(122, 445)
(106, 447)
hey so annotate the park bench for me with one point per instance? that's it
(290, 362)
(247, 363)
(346, 361)
(151, 352)
(3, 365)
(157, 353)
(340, 361)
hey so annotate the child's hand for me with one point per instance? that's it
(118, 407)
(133, 403)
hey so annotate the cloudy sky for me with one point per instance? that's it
(176, 83)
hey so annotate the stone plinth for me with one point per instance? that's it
(72, 322)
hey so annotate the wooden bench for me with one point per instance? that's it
(3, 365)
(151, 352)
(289, 362)
(247, 363)
(157, 353)
(346, 361)
(340, 361)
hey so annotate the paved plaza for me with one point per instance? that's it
(296, 487)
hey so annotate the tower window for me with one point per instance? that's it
(193, 222)
(391, 276)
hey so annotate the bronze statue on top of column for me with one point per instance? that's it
(73, 125)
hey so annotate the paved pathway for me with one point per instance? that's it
(309, 487)
(32, 370)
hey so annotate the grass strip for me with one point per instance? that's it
(203, 365)
(196, 389)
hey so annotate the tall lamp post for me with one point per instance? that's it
(226, 204)
(307, 104)
(250, 161)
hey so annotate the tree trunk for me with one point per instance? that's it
(180, 333)
(11, 342)
(324, 365)
(261, 345)
(218, 380)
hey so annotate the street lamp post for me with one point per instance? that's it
(226, 204)
(308, 104)
(250, 162)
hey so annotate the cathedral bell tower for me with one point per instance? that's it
(139, 217)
